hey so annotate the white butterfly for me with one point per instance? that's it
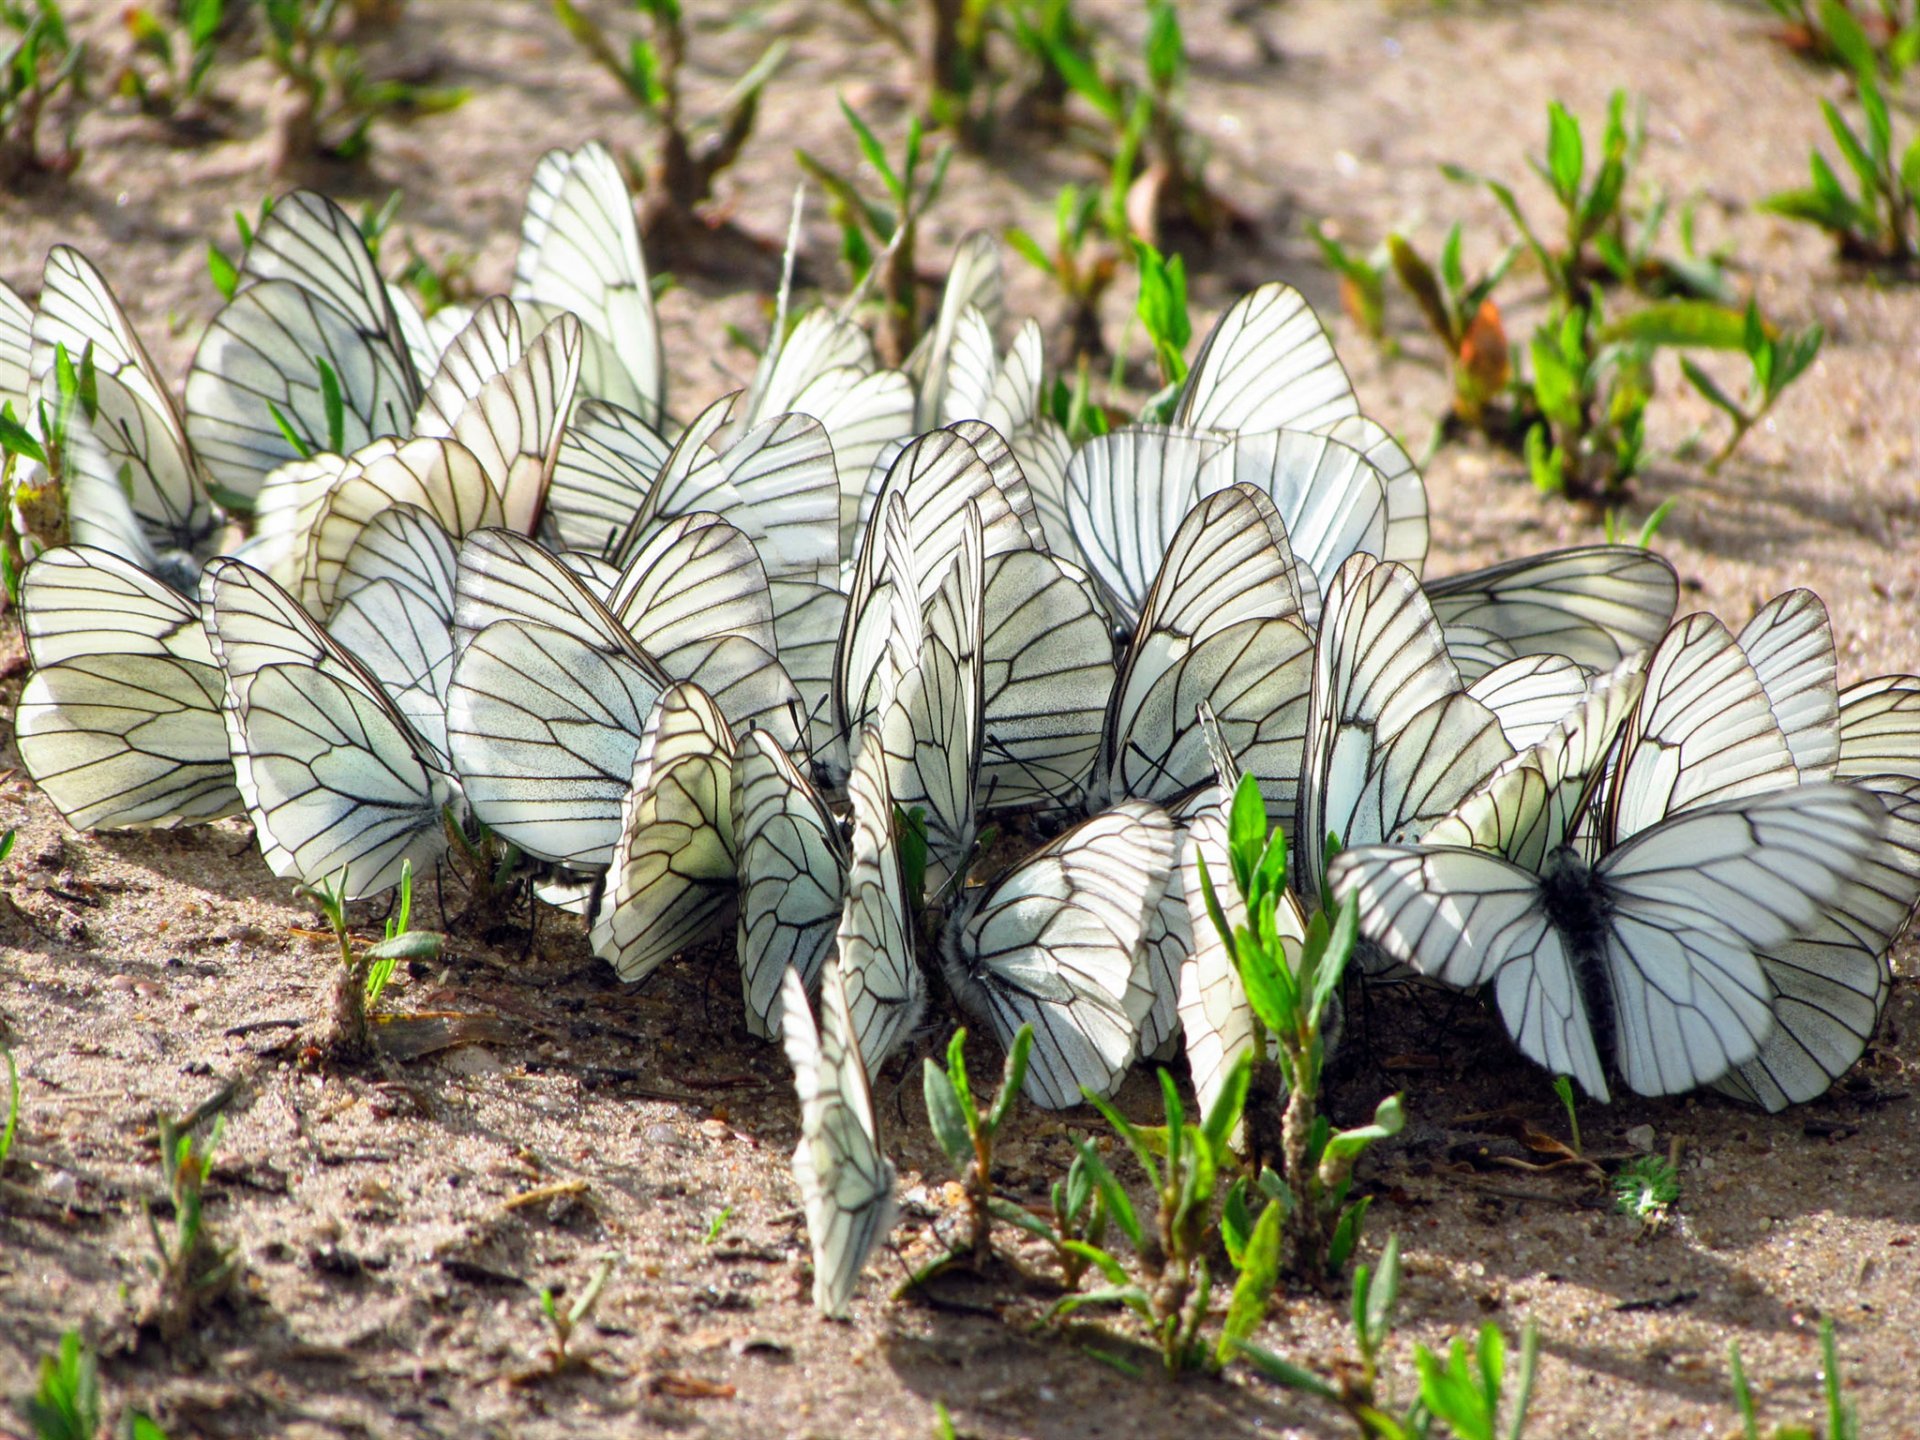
(846, 1183)
(1219, 626)
(1055, 942)
(580, 253)
(885, 988)
(1650, 949)
(309, 305)
(336, 780)
(143, 439)
(672, 878)
(120, 721)
(792, 877)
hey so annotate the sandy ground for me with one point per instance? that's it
(391, 1277)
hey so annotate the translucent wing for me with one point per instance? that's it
(846, 1184)
(1531, 695)
(608, 460)
(75, 600)
(1790, 643)
(543, 727)
(407, 545)
(1267, 364)
(1055, 943)
(407, 643)
(1703, 731)
(491, 342)
(1380, 659)
(1045, 680)
(137, 422)
(1407, 530)
(885, 988)
(672, 880)
(269, 353)
(580, 252)
(1528, 807)
(1256, 676)
(974, 285)
(441, 477)
(16, 349)
(1229, 561)
(792, 877)
(1127, 493)
(336, 787)
(931, 732)
(125, 740)
(1595, 605)
(309, 293)
(1332, 503)
(1692, 901)
(1880, 727)
(513, 426)
(1832, 982)
(806, 627)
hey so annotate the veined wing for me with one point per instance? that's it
(1880, 727)
(137, 422)
(16, 350)
(127, 740)
(1831, 984)
(1045, 680)
(885, 988)
(1127, 493)
(75, 600)
(846, 1183)
(543, 727)
(1332, 503)
(609, 459)
(1703, 731)
(672, 880)
(1267, 364)
(1790, 642)
(792, 877)
(336, 787)
(580, 252)
(1056, 943)
(1595, 605)
(1407, 530)
(1531, 695)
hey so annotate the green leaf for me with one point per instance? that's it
(1389, 1119)
(415, 945)
(334, 405)
(1137, 1141)
(1847, 37)
(1346, 1234)
(1265, 977)
(1852, 150)
(1236, 1221)
(1085, 81)
(1287, 1373)
(226, 276)
(1029, 250)
(16, 439)
(300, 446)
(1115, 1198)
(1253, 1291)
(1331, 964)
(1696, 323)
(957, 1074)
(1129, 1295)
(1566, 157)
(875, 154)
(1012, 1078)
(1555, 386)
(1021, 1218)
(1711, 391)
(1417, 277)
(1374, 1306)
(1228, 1105)
(1879, 127)
(1910, 168)
(1166, 52)
(1246, 832)
(947, 1117)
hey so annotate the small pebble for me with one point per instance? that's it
(1640, 1137)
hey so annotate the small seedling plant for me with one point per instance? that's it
(1873, 219)
(66, 1405)
(1774, 360)
(1320, 1225)
(33, 465)
(1881, 35)
(1464, 317)
(365, 970)
(1363, 282)
(966, 1135)
(564, 1320)
(335, 100)
(877, 234)
(1465, 1392)
(42, 69)
(189, 1267)
(174, 49)
(954, 77)
(1170, 1288)
(1081, 265)
(690, 153)
(1162, 310)
(1843, 1421)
